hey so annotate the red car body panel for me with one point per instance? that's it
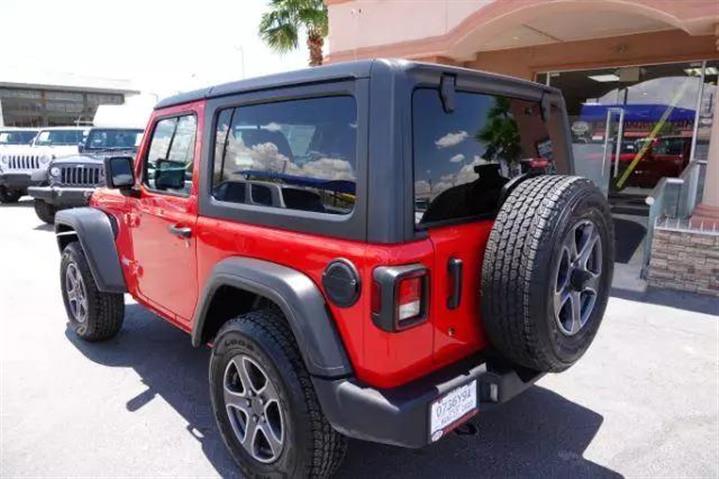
(458, 332)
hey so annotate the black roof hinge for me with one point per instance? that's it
(447, 92)
(546, 105)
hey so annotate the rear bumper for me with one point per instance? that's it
(401, 416)
(16, 180)
(61, 196)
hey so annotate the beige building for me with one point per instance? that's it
(639, 78)
(35, 97)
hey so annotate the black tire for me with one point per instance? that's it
(529, 263)
(45, 211)
(9, 196)
(104, 312)
(310, 446)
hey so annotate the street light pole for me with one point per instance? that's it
(241, 50)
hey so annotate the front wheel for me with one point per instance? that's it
(45, 211)
(92, 314)
(8, 195)
(264, 402)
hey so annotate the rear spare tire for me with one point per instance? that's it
(547, 271)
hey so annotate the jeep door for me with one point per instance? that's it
(163, 231)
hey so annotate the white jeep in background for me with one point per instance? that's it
(20, 164)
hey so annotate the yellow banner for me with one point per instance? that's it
(657, 128)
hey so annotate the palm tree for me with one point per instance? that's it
(501, 134)
(280, 27)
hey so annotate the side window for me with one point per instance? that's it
(296, 154)
(169, 162)
(463, 159)
(261, 195)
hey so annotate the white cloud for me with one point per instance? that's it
(272, 126)
(459, 157)
(452, 139)
(267, 157)
(466, 174)
(421, 187)
(329, 169)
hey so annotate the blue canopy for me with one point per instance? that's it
(634, 112)
(339, 186)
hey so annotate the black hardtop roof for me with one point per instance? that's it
(336, 71)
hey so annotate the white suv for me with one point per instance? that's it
(20, 163)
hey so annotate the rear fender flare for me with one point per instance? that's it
(300, 301)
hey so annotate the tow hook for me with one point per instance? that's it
(466, 429)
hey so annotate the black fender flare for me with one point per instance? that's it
(300, 301)
(96, 234)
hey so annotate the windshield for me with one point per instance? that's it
(59, 137)
(17, 137)
(100, 139)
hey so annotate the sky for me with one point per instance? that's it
(161, 46)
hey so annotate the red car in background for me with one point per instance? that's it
(664, 157)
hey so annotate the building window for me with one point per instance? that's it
(30, 107)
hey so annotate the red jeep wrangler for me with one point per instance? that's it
(377, 249)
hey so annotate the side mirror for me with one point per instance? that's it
(169, 175)
(119, 173)
(80, 147)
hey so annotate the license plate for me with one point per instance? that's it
(452, 409)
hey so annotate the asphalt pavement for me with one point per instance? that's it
(643, 402)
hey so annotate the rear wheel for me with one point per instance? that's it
(264, 402)
(92, 314)
(45, 211)
(8, 195)
(547, 271)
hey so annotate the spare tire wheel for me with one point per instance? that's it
(547, 271)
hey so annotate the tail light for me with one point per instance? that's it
(400, 295)
(409, 298)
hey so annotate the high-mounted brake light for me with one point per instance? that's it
(400, 295)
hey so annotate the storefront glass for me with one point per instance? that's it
(706, 110)
(632, 126)
(30, 107)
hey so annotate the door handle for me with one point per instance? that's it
(180, 231)
(454, 268)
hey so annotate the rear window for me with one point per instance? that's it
(463, 158)
(110, 139)
(60, 137)
(305, 147)
(16, 137)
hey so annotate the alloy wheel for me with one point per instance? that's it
(76, 293)
(253, 406)
(578, 280)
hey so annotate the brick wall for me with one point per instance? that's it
(685, 260)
